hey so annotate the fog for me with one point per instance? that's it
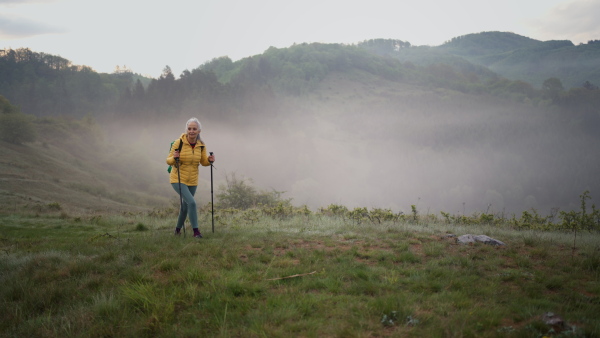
(392, 147)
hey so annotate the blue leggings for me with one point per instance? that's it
(188, 207)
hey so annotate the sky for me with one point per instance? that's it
(147, 35)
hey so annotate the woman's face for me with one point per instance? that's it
(192, 130)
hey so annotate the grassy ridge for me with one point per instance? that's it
(127, 275)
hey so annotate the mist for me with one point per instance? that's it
(391, 146)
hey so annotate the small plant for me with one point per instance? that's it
(304, 210)
(411, 321)
(358, 215)
(168, 265)
(281, 210)
(389, 319)
(382, 215)
(251, 216)
(446, 216)
(141, 227)
(335, 210)
(54, 206)
(415, 213)
(531, 220)
(580, 220)
(485, 218)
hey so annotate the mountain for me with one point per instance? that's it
(520, 58)
(514, 57)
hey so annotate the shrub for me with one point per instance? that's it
(238, 194)
(141, 227)
(581, 220)
(17, 128)
(54, 206)
(335, 210)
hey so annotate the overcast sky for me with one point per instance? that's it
(147, 35)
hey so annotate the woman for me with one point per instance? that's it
(193, 153)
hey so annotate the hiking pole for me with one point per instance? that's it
(180, 196)
(212, 203)
(179, 182)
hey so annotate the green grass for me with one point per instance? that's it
(128, 276)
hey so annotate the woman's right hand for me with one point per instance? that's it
(176, 154)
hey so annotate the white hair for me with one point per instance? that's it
(194, 119)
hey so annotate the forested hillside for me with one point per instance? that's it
(509, 55)
(46, 85)
(333, 123)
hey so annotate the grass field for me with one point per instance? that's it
(106, 275)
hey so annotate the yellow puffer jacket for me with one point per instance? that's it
(189, 160)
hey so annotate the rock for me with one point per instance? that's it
(557, 323)
(468, 238)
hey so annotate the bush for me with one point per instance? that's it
(581, 220)
(238, 194)
(141, 227)
(17, 128)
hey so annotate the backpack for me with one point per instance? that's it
(178, 149)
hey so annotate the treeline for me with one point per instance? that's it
(47, 85)
(298, 70)
(167, 94)
(441, 69)
(487, 43)
(42, 84)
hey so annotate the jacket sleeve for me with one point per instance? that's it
(170, 158)
(204, 157)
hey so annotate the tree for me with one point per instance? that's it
(138, 91)
(6, 107)
(15, 127)
(585, 101)
(167, 74)
(552, 88)
(589, 86)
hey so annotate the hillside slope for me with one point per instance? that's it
(573, 65)
(69, 170)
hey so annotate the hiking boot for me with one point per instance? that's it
(177, 231)
(197, 233)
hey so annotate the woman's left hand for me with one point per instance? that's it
(211, 158)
